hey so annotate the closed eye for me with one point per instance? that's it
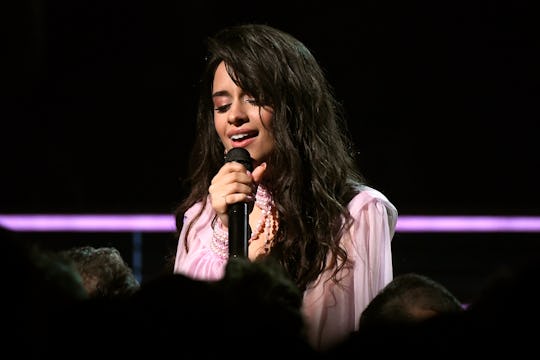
(222, 108)
(252, 102)
(226, 107)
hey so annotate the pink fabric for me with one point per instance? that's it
(331, 310)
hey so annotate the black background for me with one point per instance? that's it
(442, 98)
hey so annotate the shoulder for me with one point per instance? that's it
(373, 201)
(194, 209)
(368, 195)
(201, 212)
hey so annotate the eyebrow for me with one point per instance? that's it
(221, 93)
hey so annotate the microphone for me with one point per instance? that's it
(239, 230)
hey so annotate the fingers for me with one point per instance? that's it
(258, 172)
(232, 184)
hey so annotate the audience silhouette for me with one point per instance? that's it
(499, 321)
(253, 311)
(103, 270)
(37, 285)
(408, 298)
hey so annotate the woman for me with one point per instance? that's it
(263, 90)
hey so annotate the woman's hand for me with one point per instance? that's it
(233, 184)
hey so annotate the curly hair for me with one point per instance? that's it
(313, 173)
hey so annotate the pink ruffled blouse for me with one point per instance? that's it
(331, 310)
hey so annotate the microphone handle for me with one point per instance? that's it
(239, 230)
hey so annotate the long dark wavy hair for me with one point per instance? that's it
(312, 173)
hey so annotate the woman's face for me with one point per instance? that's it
(239, 120)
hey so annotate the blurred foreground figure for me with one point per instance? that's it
(408, 298)
(104, 272)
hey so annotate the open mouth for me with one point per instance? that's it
(239, 138)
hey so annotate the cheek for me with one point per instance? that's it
(267, 118)
(219, 124)
(220, 127)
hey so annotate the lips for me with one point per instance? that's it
(238, 137)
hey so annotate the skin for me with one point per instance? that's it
(236, 112)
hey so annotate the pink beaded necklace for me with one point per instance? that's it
(267, 223)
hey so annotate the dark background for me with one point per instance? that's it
(99, 109)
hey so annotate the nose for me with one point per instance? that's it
(237, 114)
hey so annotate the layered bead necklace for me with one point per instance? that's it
(267, 223)
(266, 226)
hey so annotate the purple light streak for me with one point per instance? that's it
(468, 224)
(88, 223)
(166, 223)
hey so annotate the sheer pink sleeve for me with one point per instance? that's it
(199, 261)
(332, 311)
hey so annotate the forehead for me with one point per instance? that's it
(221, 76)
(223, 84)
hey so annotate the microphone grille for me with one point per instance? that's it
(241, 156)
